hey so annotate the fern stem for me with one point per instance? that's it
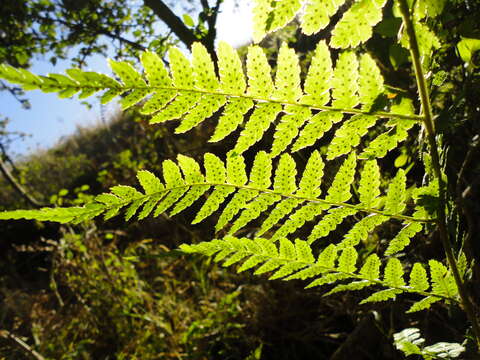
(380, 114)
(287, 196)
(384, 114)
(431, 135)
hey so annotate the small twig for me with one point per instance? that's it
(21, 344)
(16, 185)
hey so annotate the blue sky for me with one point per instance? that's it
(50, 118)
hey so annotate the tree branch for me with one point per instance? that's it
(184, 34)
(16, 185)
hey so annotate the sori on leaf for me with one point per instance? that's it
(341, 97)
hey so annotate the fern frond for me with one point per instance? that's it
(295, 260)
(355, 26)
(192, 92)
(254, 195)
(345, 81)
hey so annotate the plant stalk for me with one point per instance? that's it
(430, 129)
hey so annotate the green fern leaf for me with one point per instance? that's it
(260, 82)
(127, 73)
(157, 102)
(181, 69)
(383, 143)
(284, 11)
(361, 229)
(203, 68)
(216, 174)
(305, 213)
(150, 205)
(231, 118)
(155, 71)
(423, 304)
(131, 78)
(259, 177)
(192, 174)
(312, 176)
(396, 194)
(318, 125)
(149, 182)
(443, 282)
(393, 274)
(345, 81)
(173, 180)
(355, 26)
(339, 191)
(284, 180)
(230, 69)
(382, 295)
(419, 278)
(370, 83)
(319, 76)
(369, 187)
(236, 173)
(177, 108)
(261, 10)
(402, 240)
(288, 128)
(330, 222)
(347, 260)
(204, 109)
(269, 16)
(253, 210)
(353, 286)
(304, 252)
(258, 123)
(287, 78)
(325, 262)
(371, 268)
(328, 279)
(317, 14)
(282, 209)
(349, 134)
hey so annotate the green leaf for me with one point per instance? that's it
(260, 82)
(347, 260)
(188, 20)
(203, 68)
(155, 71)
(232, 78)
(369, 187)
(355, 26)
(339, 191)
(319, 76)
(288, 127)
(370, 85)
(317, 14)
(393, 274)
(259, 122)
(318, 125)
(330, 222)
(349, 134)
(287, 78)
(396, 194)
(345, 81)
(382, 295)
(419, 278)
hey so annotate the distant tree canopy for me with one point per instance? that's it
(77, 29)
(53, 27)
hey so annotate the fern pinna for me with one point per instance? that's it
(342, 97)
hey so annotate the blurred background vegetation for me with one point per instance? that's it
(110, 290)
